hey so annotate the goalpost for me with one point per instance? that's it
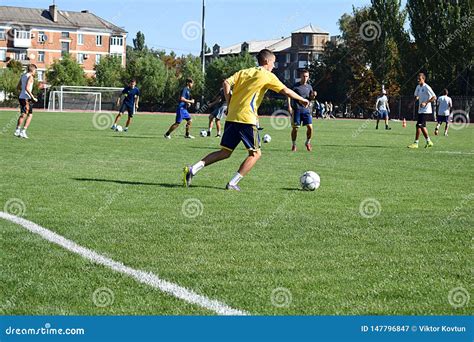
(83, 98)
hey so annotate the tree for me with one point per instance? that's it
(109, 72)
(190, 67)
(66, 72)
(139, 42)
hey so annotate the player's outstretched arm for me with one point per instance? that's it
(290, 93)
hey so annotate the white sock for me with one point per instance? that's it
(308, 141)
(416, 142)
(197, 167)
(24, 129)
(210, 129)
(236, 179)
(428, 139)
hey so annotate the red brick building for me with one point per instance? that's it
(40, 36)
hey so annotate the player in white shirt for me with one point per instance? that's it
(383, 109)
(425, 96)
(444, 110)
(26, 98)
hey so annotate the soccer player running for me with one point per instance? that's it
(218, 113)
(130, 97)
(444, 110)
(383, 109)
(425, 95)
(25, 85)
(300, 113)
(249, 87)
(182, 111)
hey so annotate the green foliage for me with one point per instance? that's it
(109, 72)
(139, 42)
(221, 68)
(191, 68)
(66, 72)
(16, 66)
(9, 78)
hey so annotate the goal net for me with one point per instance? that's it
(78, 98)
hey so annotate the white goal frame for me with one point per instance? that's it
(56, 97)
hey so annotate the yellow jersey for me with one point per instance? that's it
(249, 88)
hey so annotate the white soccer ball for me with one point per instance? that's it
(203, 133)
(267, 138)
(119, 128)
(310, 181)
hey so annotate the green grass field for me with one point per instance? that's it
(120, 195)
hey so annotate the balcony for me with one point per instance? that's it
(22, 39)
(116, 49)
(116, 44)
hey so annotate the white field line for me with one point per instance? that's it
(141, 276)
(454, 152)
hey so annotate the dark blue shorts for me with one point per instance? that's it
(302, 116)
(26, 106)
(236, 132)
(383, 114)
(442, 118)
(182, 114)
(130, 109)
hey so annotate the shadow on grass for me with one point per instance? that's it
(292, 189)
(163, 185)
(133, 137)
(359, 146)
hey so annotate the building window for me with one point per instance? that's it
(80, 58)
(288, 58)
(80, 39)
(3, 55)
(41, 56)
(64, 34)
(3, 35)
(287, 74)
(21, 55)
(41, 37)
(98, 40)
(40, 74)
(97, 59)
(306, 39)
(117, 40)
(64, 48)
(22, 34)
(295, 74)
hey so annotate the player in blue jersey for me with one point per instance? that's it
(129, 98)
(182, 111)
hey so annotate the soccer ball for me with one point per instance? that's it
(310, 181)
(267, 138)
(118, 128)
(203, 133)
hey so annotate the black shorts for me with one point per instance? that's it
(421, 119)
(25, 106)
(235, 132)
(130, 109)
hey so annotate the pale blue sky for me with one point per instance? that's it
(227, 21)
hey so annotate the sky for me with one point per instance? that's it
(175, 25)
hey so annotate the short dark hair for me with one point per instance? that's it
(264, 55)
(189, 80)
(32, 67)
(133, 80)
(445, 91)
(422, 74)
(304, 71)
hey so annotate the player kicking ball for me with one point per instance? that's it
(425, 95)
(444, 110)
(129, 98)
(182, 111)
(25, 85)
(249, 87)
(300, 113)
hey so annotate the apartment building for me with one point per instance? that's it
(40, 36)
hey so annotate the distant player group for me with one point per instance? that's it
(239, 99)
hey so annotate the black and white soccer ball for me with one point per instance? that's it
(310, 181)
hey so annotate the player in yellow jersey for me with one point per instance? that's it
(249, 87)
